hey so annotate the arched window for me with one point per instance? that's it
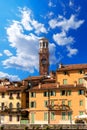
(18, 105)
(10, 105)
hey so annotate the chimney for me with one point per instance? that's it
(75, 83)
(60, 65)
(58, 84)
(23, 82)
(39, 85)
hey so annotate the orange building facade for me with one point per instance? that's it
(59, 98)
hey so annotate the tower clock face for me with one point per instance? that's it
(43, 61)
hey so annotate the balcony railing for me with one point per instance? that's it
(11, 97)
(14, 110)
(61, 107)
(11, 110)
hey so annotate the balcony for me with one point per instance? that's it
(14, 110)
(11, 97)
(61, 107)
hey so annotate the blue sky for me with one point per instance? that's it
(23, 22)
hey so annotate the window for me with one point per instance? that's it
(80, 81)
(3, 95)
(18, 95)
(45, 103)
(52, 102)
(81, 92)
(81, 113)
(63, 102)
(33, 94)
(65, 72)
(81, 71)
(2, 106)
(18, 118)
(63, 93)
(69, 103)
(11, 96)
(18, 105)
(52, 93)
(33, 104)
(63, 116)
(10, 106)
(81, 103)
(10, 117)
(45, 116)
(64, 81)
(52, 116)
(69, 92)
(45, 94)
(69, 115)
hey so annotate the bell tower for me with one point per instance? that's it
(43, 57)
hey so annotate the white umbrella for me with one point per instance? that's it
(84, 116)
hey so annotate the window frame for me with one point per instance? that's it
(63, 93)
(63, 115)
(52, 115)
(52, 93)
(81, 92)
(45, 93)
(33, 104)
(45, 116)
(64, 81)
(32, 94)
(3, 95)
(81, 103)
(10, 118)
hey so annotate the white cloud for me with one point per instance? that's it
(27, 51)
(66, 24)
(7, 52)
(51, 4)
(26, 45)
(71, 3)
(62, 39)
(50, 14)
(0, 54)
(72, 51)
(52, 49)
(11, 77)
(29, 23)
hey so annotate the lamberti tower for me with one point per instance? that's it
(43, 57)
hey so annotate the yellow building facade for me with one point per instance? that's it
(10, 102)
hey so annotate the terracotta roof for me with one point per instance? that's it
(44, 86)
(12, 88)
(55, 86)
(33, 78)
(3, 89)
(72, 67)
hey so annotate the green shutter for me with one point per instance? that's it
(80, 81)
(64, 81)
(81, 102)
(63, 116)
(45, 103)
(69, 115)
(45, 116)
(52, 115)
(52, 102)
(81, 113)
(69, 103)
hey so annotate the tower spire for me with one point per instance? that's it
(43, 56)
